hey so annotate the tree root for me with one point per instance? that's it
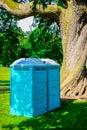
(80, 90)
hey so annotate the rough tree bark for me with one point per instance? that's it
(74, 39)
(72, 21)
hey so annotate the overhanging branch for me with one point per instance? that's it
(23, 10)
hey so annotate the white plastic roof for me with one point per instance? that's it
(49, 61)
(33, 61)
(27, 61)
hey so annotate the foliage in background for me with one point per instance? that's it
(9, 38)
(46, 2)
(43, 42)
(9, 41)
(6, 21)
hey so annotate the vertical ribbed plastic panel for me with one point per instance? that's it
(21, 91)
(53, 87)
(28, 86)
(40, 90)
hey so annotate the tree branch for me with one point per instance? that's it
(80, 2)
(23, 10)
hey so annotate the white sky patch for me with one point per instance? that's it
(25, 24)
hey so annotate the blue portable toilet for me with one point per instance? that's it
(34, 86)
(28, 87)
(53, 87)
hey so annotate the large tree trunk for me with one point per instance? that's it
(74, 39)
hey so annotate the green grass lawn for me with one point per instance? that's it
(71, 115)
(4, 78)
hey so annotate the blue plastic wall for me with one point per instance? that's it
(53, 87)
(21, 91)
(28, 91)
(40, 90)
(34, 89)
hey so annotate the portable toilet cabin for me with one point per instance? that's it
(28, 87)
(53, 87)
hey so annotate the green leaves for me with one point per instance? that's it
(43, 44)
(47, 2)
(9, 44)
(9, 38)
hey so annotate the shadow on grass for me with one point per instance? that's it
(4, 83)
(4, 86)
(71, 115)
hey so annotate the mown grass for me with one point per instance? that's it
(4, 78)
(71, 115)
